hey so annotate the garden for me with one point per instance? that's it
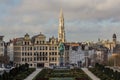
(56, 74)
(18, 73)
(105, 73)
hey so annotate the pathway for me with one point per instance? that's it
(91, 75)
(31, 76)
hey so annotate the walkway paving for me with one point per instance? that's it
(91, 75)
(31, 76)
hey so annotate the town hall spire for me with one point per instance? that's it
(61, 30)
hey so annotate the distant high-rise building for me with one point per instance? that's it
(61, 30)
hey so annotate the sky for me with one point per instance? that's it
(85, 20)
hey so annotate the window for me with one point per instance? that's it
(50, 53)
(40, 47)
(37, 42)
(37, 54)
(37, 59)
(34, 54)
(46, 53)
(43, 42)
(23, 48)
(49, 48)
(30, 48)
(25, 43)
(52, 59)
(25, 54)
(30, 59)
(34, 58)
(22, 53)
(28, 43)
(22, 59)
(49, 59)
(55, 58)
(34, 48)
(55, 53)
(40, 59)
(40, 53)
(43, 53)
(46, 58)
(52, 48)
(55, 48)
(46, 47)
(25, 59)
(31, 53)
(43, 47)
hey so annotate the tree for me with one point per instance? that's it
(4, 59)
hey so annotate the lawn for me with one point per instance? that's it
(52, 74)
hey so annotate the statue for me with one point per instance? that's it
(61, 48)
(61, 53)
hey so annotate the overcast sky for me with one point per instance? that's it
(85, 20)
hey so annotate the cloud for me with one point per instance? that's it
(88, 19)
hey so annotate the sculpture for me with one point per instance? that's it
(61, 48)
(61, 53)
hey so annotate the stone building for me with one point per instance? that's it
(39, 52)
(80, 55)
(110, 44)
(10, 50)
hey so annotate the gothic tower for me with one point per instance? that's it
(61, 30)
(114, 38)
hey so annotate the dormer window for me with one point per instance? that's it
(26, 43)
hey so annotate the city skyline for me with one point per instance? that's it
(84, 20)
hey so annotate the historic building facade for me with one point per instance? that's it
(2, 46)
(110, 44)
(10, 50)
(39, 52)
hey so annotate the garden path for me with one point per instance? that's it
(31, 76)
(91, 75)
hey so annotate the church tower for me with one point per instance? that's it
(114, 38)
(61, 30)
